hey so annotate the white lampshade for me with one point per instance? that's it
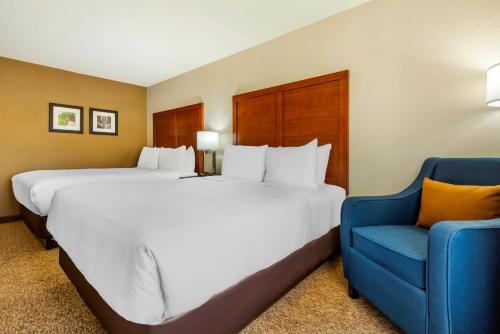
(493, 86)
(207, 140)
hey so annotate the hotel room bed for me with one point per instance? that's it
(155, 250)
(34, 189)
(210, 254)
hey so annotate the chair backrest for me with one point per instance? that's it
(470, 171)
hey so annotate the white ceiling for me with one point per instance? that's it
(145, 42)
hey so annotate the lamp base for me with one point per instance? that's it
(214, 163)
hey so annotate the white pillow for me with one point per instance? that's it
(244, 162)
(293, 165)
(172, 158)
(189, 161)
(149, 158)
(322, 164)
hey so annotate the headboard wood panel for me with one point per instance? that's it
(177, 127)
(293, 114)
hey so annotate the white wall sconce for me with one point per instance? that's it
(493, 86)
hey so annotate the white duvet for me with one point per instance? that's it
(35, 189)
(154, 250)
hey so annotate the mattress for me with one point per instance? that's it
(35, 189)
(154, 250)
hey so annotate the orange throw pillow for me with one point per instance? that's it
(444, 201)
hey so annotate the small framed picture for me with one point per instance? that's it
(103, 122)
(65, 118)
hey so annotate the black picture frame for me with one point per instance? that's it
(51, 118)
(91, 121)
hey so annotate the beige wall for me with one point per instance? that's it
(417, 85)
(25, 143)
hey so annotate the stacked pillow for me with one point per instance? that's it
(322, 162)
(149, 158)
(172, 158)
(301, 165)
(178, 159)
(244, 162)
(189, 161)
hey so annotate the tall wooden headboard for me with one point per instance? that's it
(177, 127)
(293, 114)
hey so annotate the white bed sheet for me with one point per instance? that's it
(153, 251)
(35, 189)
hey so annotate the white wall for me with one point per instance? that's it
(417, 85)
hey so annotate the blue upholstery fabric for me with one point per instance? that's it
(402, 302)
(464, 277)
(385, 260)
(472, 171)
(399, 209)
(401, 249)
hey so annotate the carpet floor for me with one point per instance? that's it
(36, 297)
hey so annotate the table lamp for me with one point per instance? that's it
(208, 141)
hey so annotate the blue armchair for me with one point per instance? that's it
(442, 280)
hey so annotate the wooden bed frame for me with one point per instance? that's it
(177, 127)
(171, 128)
(294, 114)
(291, 114)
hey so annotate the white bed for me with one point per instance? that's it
(35, 189)
(153, 250)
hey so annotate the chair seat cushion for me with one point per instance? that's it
(401, 249)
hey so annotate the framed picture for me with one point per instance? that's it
(65, 118)
(103, 122)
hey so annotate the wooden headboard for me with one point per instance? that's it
(293, 114)
(177, 127)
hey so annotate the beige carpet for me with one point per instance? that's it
(36, 296)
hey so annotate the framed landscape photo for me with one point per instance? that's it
(65, 118)
(103, 122)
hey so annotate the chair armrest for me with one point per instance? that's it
(463, 275)
(398, 209)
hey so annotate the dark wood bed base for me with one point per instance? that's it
(38, 226)
(227, 312)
